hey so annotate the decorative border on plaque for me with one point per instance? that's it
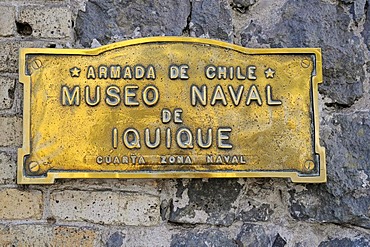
(49, 177)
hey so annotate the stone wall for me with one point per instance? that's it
(196, 212)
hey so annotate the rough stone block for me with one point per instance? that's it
(209, 237)
(73, 236)
(24, 2)
(7, 86)
(254, 212)
(9, 56)
(8, 169)
(366, 31)
(209, 202)
(345, 198)
(157, 236)
(9, 51)
(105, 207)
(146, 186)
(46, 22)
(344, 242)
(251, 233)
(16, 204)
(45, 235)
(242, 6)
(115, 239)
(7, 20)
(107, 21)
(11, 131)
(329, 29)
(211, 19)
(359, 8)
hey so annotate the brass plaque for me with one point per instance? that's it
(170, 107)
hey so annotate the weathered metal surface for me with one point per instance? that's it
(170, 107)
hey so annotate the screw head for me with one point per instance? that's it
(309, 165)
(305, 63)
(36, 64)
(34, 166)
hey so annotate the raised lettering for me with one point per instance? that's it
(206, 144)
(222, 73)
(139, 72)
(70, 97)
(99, 160)
(269, 99)
(103, 72)
(166, 115)
(197, 94)
(218, 95)
(96, 100)
(112, 98)
(223, 135)
(239, 74)
(131, 138)
(150, 74)
(236, 96)
(157, 138)
(177, 116)
(90, 72)
(210, 72)
(127, 73)
(253, 95)
(130, 95)
(115, 72)
(168, 138)
(153, 92)
(251, 72)
(184, 138)
(114, 138)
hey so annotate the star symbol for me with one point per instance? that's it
(75, 72)
(269, 73)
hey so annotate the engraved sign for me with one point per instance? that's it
(170, 107)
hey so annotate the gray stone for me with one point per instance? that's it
(108, 21)
(366, 32)
(95, 23)
(242, 5)
(253, 236)
(11, 131)
(346, 196)
(164, 209)
(9, 52)
(343, 58)
(348, 152)
(7, 20)
(44, 21)
(8, 168)
(255, 213)
(209, 237)
(7, 85)
(206, 202)
(110, 207)
(252, 31)
(345, 242)
(25, 234)
(211, 19)
(115, 240)
(359, 10)
(279, 241)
